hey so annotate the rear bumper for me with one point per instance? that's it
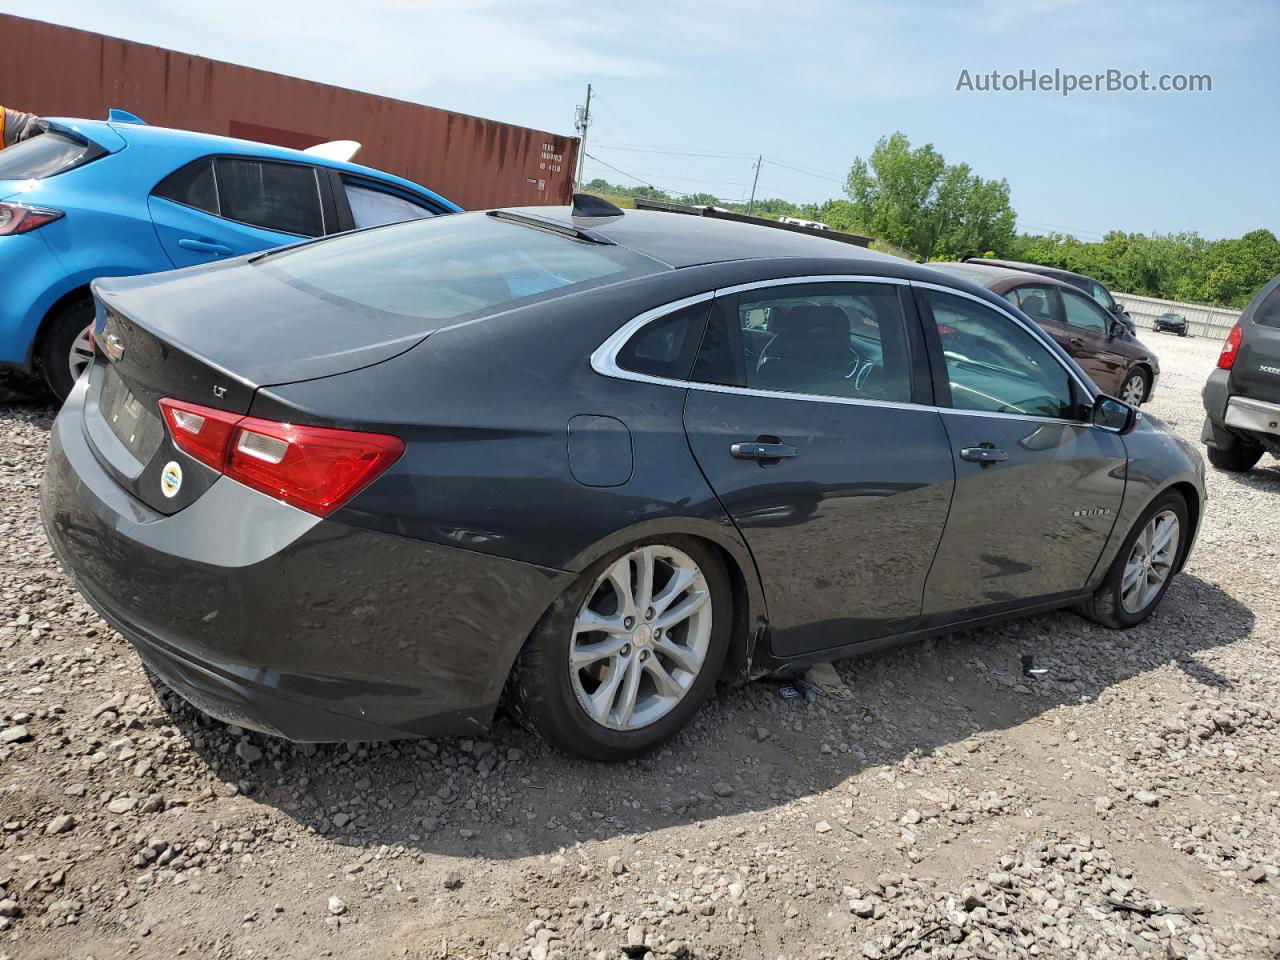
(1253, 416)
(269, 618)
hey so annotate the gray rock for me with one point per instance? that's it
(337, 906)
(452, 880)
(247, 752)
(122, 805)
(722, 789)
(60, 824)
(16, 734)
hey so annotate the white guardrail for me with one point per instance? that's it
(1202, 320)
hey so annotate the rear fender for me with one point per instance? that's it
(751, 616)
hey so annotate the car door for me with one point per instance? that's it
(1090, 341)
(1037, 486)
(220, 207)
(804, 419)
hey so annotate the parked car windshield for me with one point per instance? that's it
(41, 156)
(447, 268)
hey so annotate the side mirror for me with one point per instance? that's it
(1112, 415)
(1117, 328)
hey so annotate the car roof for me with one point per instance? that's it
(679, 240)
(992, 276)
(209, 143)
(1036, 268)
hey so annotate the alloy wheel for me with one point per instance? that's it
(640, 638)
(81, 354)
(1150, 561)
(1134, 390)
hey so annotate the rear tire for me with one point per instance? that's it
(551, 698)
(1237, 458)
(1108, 605)
(66, 326)
(1136, 387)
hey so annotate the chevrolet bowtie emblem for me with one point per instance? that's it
(113, 346)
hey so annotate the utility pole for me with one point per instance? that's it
(581, 120)
(756, 179)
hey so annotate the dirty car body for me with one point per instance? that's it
(547, 392)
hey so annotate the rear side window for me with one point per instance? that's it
(1268, 312)
(43, 156)
(1034, 300)
(371, 207)
(191, 186)
(446, 268)
(1102, 295)
(844, 340)
(284, 197)
(666, 347)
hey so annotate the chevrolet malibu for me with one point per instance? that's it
(373, 486)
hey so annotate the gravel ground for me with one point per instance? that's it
(1124, 803)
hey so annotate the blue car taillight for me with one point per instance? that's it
(23, 218)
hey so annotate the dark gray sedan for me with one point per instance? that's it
(369, 487)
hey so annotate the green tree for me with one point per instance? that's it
(913, 199)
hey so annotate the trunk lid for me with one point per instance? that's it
(191, 335)
(1256, 372)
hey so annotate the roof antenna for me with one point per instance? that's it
(587, 207)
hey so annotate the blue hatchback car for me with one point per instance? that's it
(116, 198)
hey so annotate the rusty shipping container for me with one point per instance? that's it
(57, 71)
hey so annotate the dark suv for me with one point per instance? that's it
(1242, 396)
(1089, 285)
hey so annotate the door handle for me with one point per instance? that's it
(1076, 342)
(204, 246)
(761, 450)
(984, 454)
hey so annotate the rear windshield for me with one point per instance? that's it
(42, 156)
(450, 268)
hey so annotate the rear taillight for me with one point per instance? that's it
(22, 218)
(200, 432)
(316, 469)
(1227, 358)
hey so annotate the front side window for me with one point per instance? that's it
(994, 365)
(1085, 314)
(284, 197)
(1102, 295)
(371, 207)
(1034, 300)
(824, 339)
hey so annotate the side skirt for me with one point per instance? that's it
(766, 664)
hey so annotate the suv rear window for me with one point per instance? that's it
(43, 156)
(446, 268)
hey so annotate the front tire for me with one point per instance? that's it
(65, 350)
(1144, 566)
(1237, 458)
(626, 656)
(1136, 386)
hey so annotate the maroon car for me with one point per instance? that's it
(1119, 363)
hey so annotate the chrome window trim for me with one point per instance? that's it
(604, 359)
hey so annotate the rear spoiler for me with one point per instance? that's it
(717, 213)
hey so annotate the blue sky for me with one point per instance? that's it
(810, 84)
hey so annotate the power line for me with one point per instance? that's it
(629, 176)
(677, 153)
